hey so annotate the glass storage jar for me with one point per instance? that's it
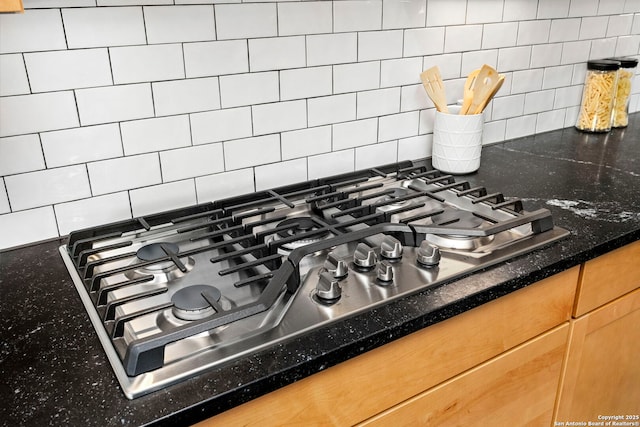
(620, 117)
(598, 95)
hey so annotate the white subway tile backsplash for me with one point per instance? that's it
(398, 72)
(4, 199)
(223, 185)
(355, 134)
(260, 87)
(19, 154)
(14, 75)
(331, 109)
(216, 58)
(536, 102)
(276, 53)
(504, 34)
(163, 197)
(190, 162)
(248, 89)
(235, 21)
(398, 126)
(125, 173)
(278, 174)
(507, 106)
(514, 58)
(356, 77)
(520, 126)
(563, 30)
(575, 52)
(144, 136)
(34, 189)
(405, 14)
(526, 81)
(327, 49)
(71, 69)
(416, 147)
(306, 142)
(279, 117)
(169, 24)
(357, 15)
(18, 31)
(24, 227)
(80, 145)
(91, 212)
(379, 45)
(331, 163)
(186, 96)
(37, 113)
(619, 25)
(298, 18)
(114, 103)
(610, 7)
(446, 12)
(423, 41)
(557, 77)
(260, 150)
(583, 7)
(216, 126)
(533, 32)
(378, 102)
(593, 27)
(546, 55)
(463, 38)
(305, 83)
(103, 26)
(484, 11)
(137, 64)
(375, 155)
(553, 9)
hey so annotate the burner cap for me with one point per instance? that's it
(189, 304)
(457, 218)
(154, 251)
(304, 224)
(397, 192)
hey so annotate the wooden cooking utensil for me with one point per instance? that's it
(491, 94)
(484, 83)
(468, 91)
(432, 82)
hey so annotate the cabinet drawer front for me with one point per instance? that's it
(361, 387)
(608, 277)
(516, 388)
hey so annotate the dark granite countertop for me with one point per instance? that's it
(54, 371)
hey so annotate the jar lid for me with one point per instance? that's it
(625, 62)
(603, 65)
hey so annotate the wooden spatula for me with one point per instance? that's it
(468, 91)
(490, 95)
(484, 84)
(432, 82)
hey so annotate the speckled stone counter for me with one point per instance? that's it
(54, 371)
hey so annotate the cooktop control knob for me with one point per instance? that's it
(428, 255)
(384, 273)
(391, 248)
(364, 256)
(328, 288)
(337, 267)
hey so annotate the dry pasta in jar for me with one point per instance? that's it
(620, 116)
(598, 96)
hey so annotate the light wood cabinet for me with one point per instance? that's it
(362, 387)
(602, 369)
(11, 6)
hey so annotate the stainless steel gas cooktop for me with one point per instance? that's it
(174, 294)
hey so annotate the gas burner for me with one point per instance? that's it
(460, 219)
(163, 271)
(299, 226)
(390, 201)
(466, 243)
(194, 302)
(457, 218)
